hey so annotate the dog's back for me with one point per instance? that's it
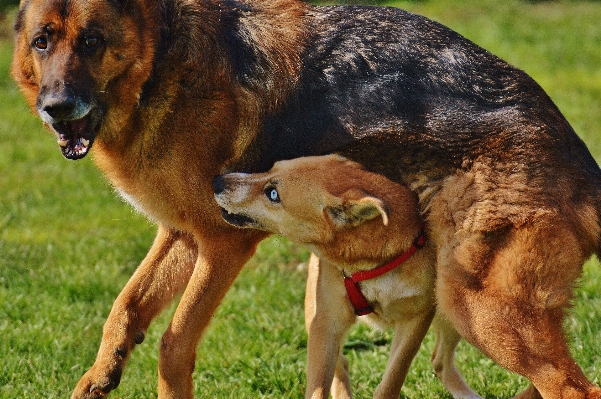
(415, 101)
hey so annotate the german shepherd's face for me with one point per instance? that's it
(310, 200)
(77, 61)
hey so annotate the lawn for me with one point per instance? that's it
(68, 245)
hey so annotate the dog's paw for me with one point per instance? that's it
(97, 386)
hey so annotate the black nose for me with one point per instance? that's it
(59, 106)
(218, 184)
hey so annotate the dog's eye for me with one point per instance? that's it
(41, 43)
(92, 41)
(272, 194)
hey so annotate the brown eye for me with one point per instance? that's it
(92, 41)
(41, 43)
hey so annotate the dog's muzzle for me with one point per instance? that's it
(74, 119)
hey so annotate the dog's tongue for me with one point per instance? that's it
(77, 127)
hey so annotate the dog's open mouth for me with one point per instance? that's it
(238, 220)
(75, 137)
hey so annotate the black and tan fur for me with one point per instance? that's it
(169, 93)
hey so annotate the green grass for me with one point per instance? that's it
(68, 245)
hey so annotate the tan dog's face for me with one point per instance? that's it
(307, 199)
(78, 62)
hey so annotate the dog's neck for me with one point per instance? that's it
(216, 48)
(374, 246)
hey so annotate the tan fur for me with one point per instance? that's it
(353, 220)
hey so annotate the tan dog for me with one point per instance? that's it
(356, 222)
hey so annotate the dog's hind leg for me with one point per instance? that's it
(443, 360)
(506, 291)
(328, 317)
(160, 277)
(221, 256)
(529, 343)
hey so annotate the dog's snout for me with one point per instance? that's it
(58, 104)
(59, 108)
(218, 184)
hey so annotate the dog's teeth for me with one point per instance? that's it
(85, 142)
(63, 143)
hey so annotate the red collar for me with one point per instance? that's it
(360, 304)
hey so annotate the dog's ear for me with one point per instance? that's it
(357, 207)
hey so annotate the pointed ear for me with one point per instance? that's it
(357, 209)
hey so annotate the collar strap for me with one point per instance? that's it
(360, 304)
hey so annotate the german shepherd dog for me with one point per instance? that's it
(170, 93)
(373, 259)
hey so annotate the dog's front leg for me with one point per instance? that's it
(408, 336)
(162, 274)
(220, 259)
(443, 360)
(328, 317)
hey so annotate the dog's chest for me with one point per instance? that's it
(131, 200)
(148, 203)
(399, 295)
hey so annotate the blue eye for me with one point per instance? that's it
(272, 194)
